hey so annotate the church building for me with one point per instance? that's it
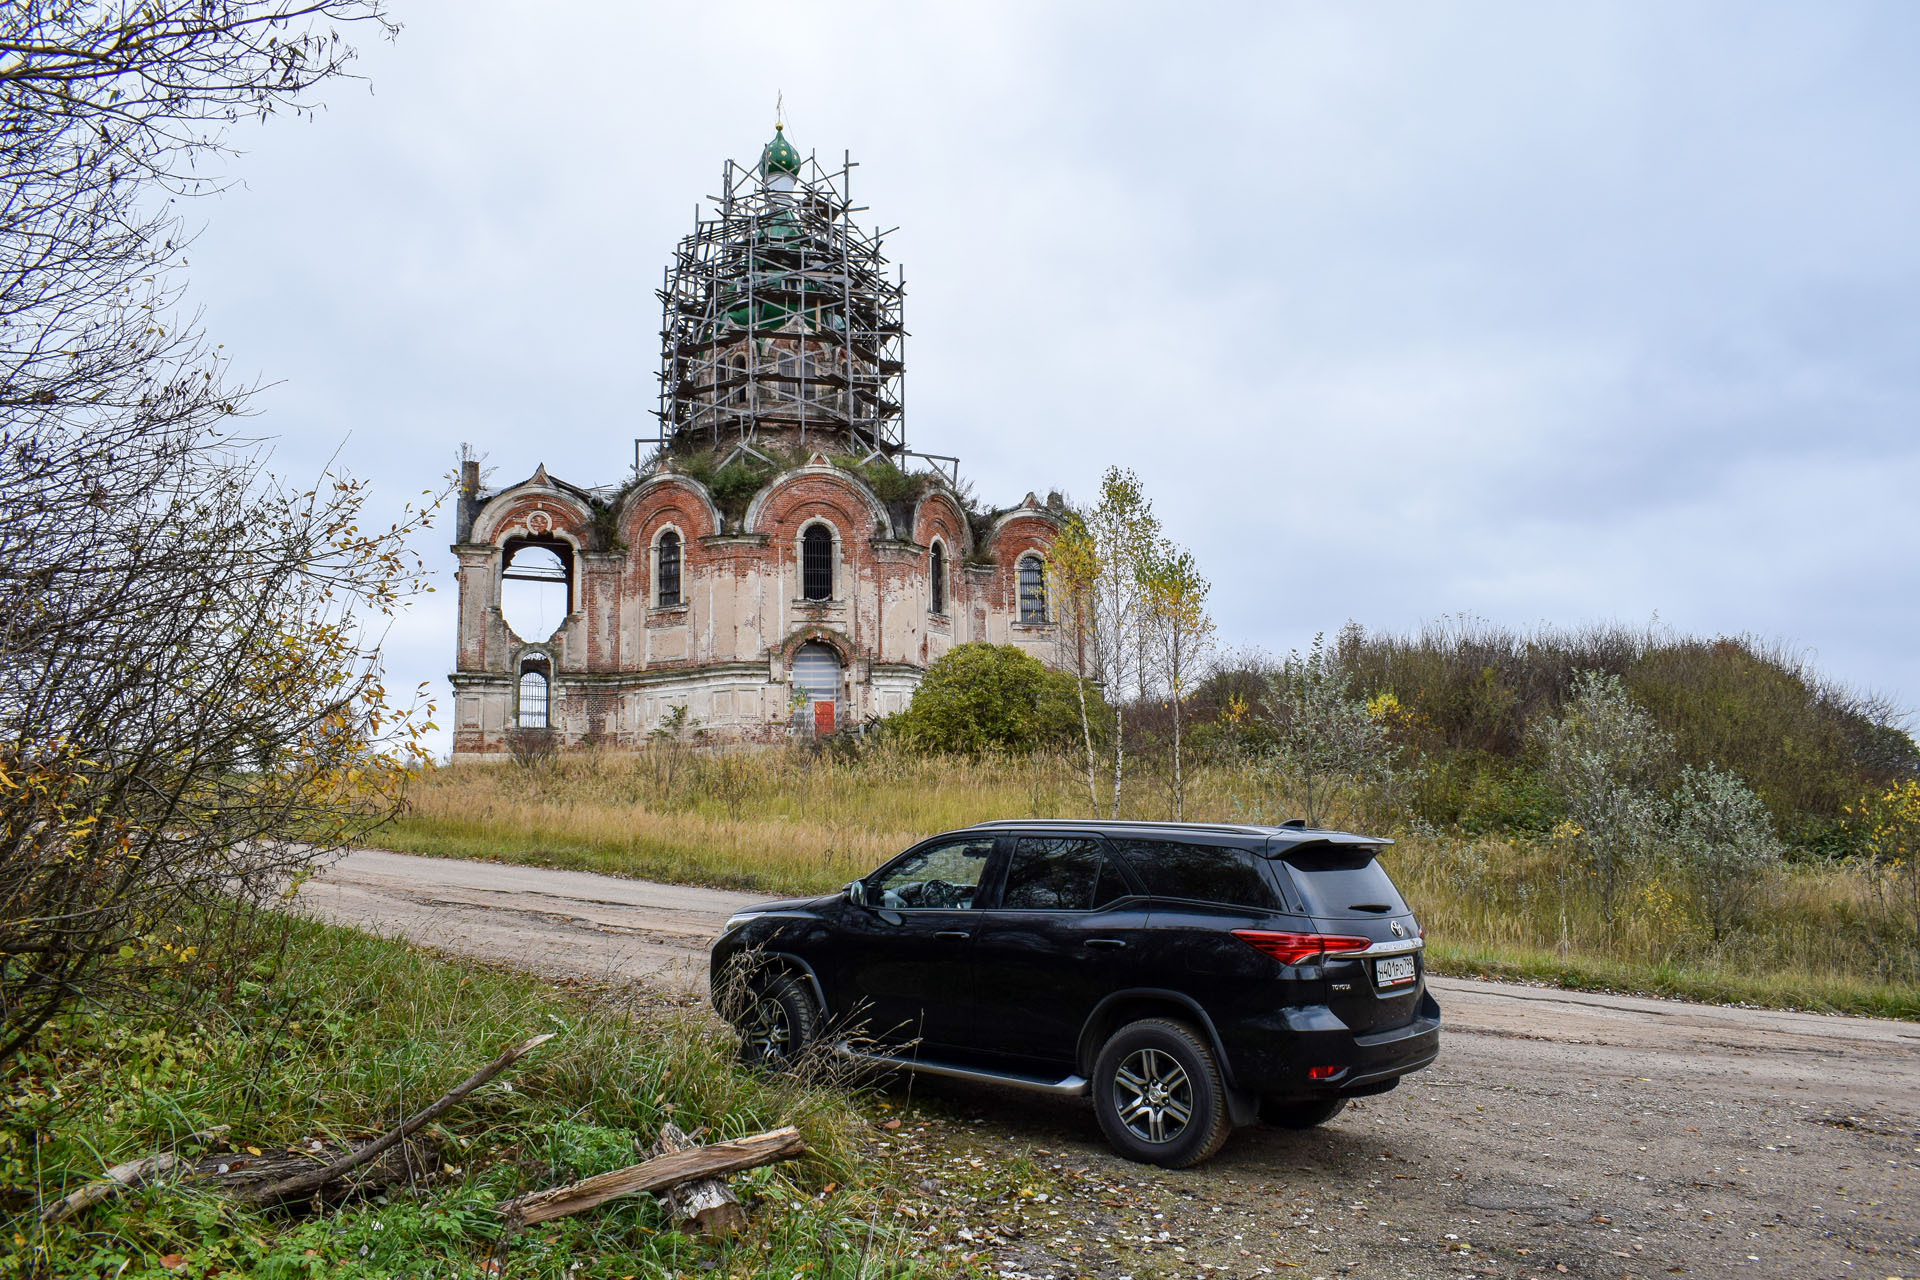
(779, 563)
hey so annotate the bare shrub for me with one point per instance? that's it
(531, 748)
(191, 709)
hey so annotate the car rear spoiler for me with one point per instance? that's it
(1285, 846)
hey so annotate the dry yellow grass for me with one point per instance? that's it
(796, 822)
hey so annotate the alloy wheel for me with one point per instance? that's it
(769, 1036)
(1153, 1096)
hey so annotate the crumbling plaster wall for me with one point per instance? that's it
(622, 660)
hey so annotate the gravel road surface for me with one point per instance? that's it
(1561, 1133)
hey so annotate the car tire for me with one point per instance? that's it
(778, 1022)
(1299, 1113)
(1158, 1094)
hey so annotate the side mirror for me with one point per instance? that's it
(855, 892)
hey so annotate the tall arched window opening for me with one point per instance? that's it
(737, 378)
(816, 563)
(786, 366)
(535, 695)
(667, 572)
(1033, 590)
(536, 586)
(937, 573)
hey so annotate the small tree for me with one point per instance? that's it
(1604, 758)
(1121, 535)
(1889, 823)
(1322, 733)
(1723, 835)
(191, 707)
(1073, 571)
(190, 711)
(1180, 634)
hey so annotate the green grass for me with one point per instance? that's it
(1820, 936)
(324, 1032)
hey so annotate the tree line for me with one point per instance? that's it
(1631, 754)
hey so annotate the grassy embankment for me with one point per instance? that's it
(319, 1032)
(1504, 905)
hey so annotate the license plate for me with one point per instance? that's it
(1393, 971)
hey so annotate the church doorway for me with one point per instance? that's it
(816, 672)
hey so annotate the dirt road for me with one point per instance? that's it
(1561, 1133)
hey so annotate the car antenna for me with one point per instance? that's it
(1296, 823)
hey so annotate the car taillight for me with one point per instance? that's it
(1293, 948)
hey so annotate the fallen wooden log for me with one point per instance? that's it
(712, 1209)
(305, 1183)
(116, 1180)
(242, 1174)
(657, 1174)
(122, 1176)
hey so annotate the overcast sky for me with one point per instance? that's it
(1534, 313)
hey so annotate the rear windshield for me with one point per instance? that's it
(1343, 882)
(1205, 872)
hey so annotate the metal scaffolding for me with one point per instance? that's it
(782, 319)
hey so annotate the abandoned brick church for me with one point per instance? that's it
(779, 562)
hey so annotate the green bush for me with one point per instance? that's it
(734, 485)
(982, 697)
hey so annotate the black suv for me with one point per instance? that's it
(1188, 977)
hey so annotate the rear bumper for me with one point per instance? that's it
(1271, 1055)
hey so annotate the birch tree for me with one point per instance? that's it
(1073, 572)
(1124, 533)
(1180, 636)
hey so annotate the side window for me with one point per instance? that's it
(941, 875)
(816, 563)
(1204, 872)
(534, 692)
(668, 573)
(1060, 873)
(1033, 590)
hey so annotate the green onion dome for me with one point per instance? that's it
(779, 156)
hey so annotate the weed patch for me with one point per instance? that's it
(328, 1033)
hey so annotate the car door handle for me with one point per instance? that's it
(953, 935)
(1106, 944)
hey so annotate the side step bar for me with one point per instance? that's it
(1070, 1087)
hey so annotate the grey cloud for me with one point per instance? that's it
(1528, 312)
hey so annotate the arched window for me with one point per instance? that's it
(1033, 590)
(816, 563)
(534, 697)
(536, 586)
(667, 572)
(937, 577)
(787, 366)
(737, 373)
